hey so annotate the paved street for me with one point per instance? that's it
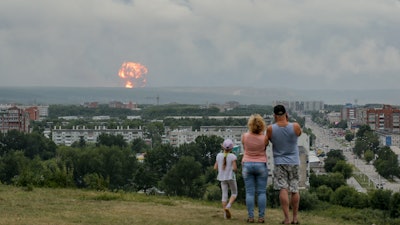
(327, 141)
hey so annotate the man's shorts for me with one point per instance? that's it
(286, 177)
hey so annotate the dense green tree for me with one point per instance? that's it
(380, 199)
(113, 164)
(373, 141)
(96, 181)
(79, 144)
(394, 205)
(49, 173)
(139, 145)
(331, 180)
(11, 165)
(309, 200)
(111, 140)
(116, 164)
(144, 177)
(37, 145)
(310, 134)
(206, 149)
(333, 157)
(329, 163)
(69, 155)
(184, 179)
(369, 156)
(324, 193)
(336, 153)
(13, 140)
(349, 197)
(387, 163)
(56, 173)
(349, 136)
(366, 140)
(344, 168)
(360, 147)
(161, 159)
(362, 130)
(57, 110)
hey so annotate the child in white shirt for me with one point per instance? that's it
(225, 163)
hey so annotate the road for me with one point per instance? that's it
(326, 141)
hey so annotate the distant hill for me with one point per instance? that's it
(191, 95)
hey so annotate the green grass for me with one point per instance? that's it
(40, 206)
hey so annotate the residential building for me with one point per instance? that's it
(14, 118)
(68, 136)
(186, 135)
(120, 105)
(334, 117)
(302, 106)
(386, 118)
(349, 113)
(383, 119)
(33, 113)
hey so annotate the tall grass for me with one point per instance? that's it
(40, 206)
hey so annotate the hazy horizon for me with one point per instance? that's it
(192, 95)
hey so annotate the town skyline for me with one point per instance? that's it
(192, 95)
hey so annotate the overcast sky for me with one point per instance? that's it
(301, 44)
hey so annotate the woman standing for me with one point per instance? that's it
(254, 168)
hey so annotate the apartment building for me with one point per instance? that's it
(383, 119)
(386, 118)
(179, 137)
(302, 106)
(333, 117)
(14, 118)
(66, 137)
(349, 113)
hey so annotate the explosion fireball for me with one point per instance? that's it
(133, 74)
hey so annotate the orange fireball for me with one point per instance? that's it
(133, 74)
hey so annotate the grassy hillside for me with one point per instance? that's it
(74, 206)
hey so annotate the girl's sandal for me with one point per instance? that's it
(261, 220)
(250, 220)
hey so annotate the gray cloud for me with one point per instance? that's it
(302, 44)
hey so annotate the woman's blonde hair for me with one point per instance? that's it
(256, 124)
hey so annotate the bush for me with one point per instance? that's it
(349, 197)
(308, 200)
(213, 193)
(394, 205)
(96, 182)
(380, 199)
(332, 180)
(361, 201)
(324, 193)
(272, 197)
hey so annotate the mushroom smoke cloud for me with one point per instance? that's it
(133, 74)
